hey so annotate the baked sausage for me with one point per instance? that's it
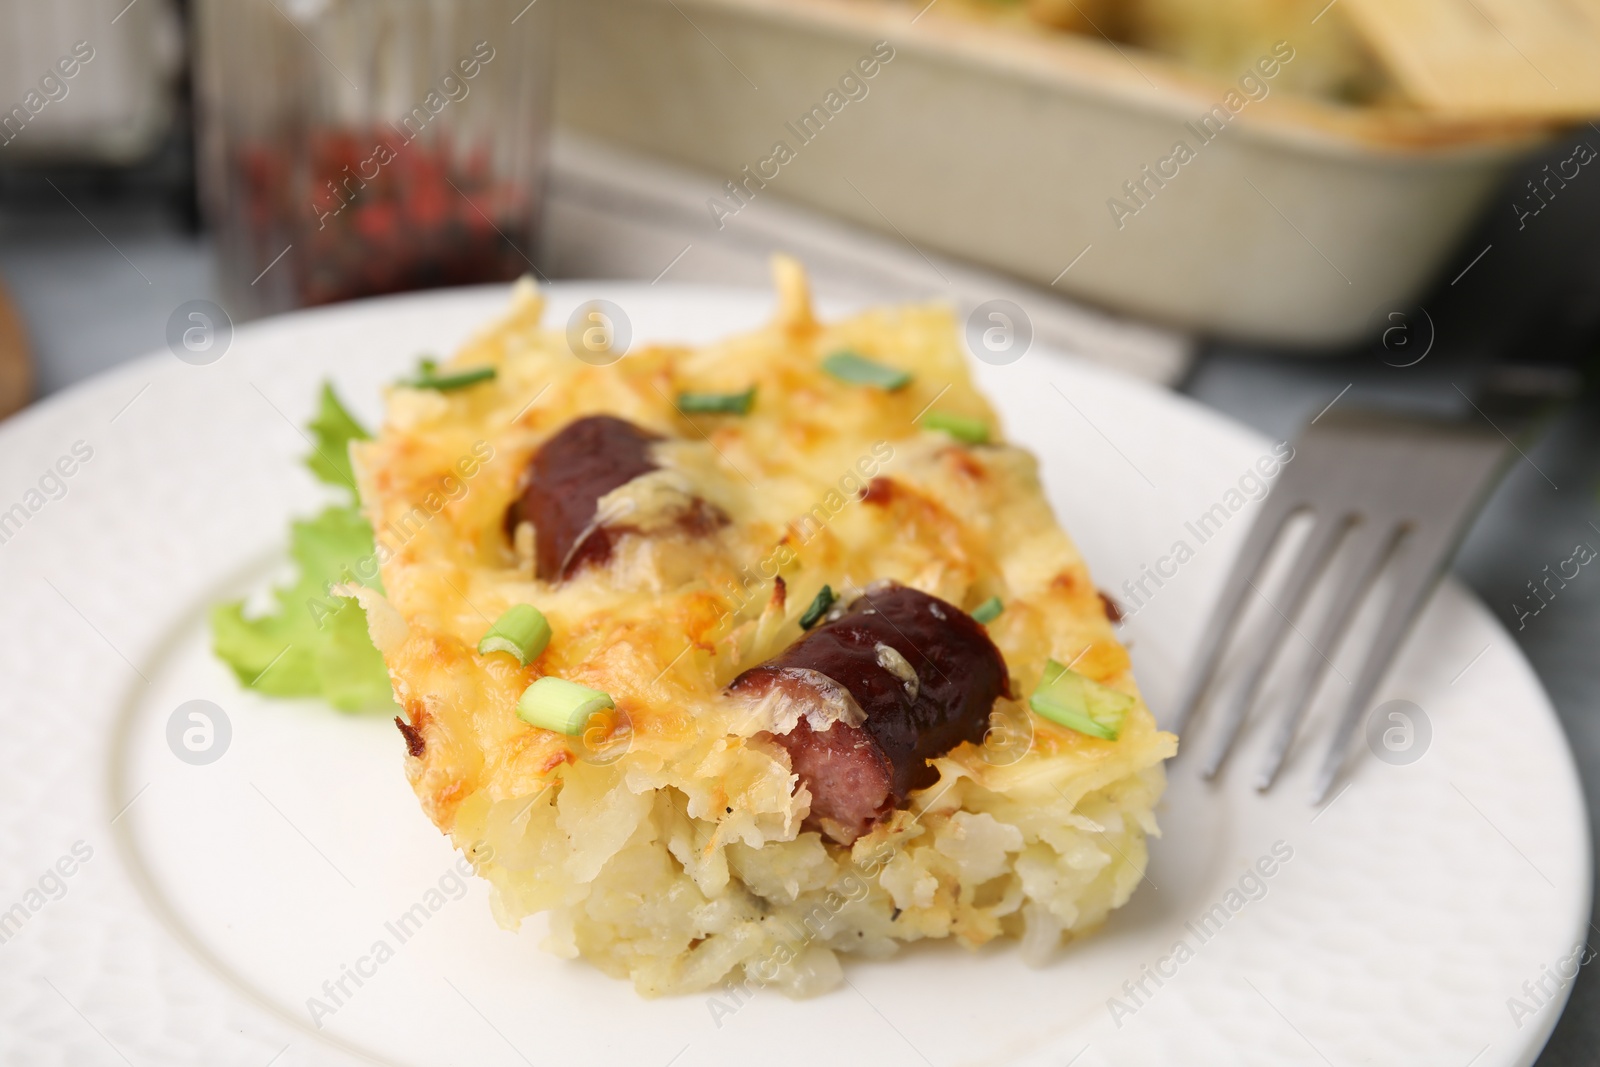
(924, 674)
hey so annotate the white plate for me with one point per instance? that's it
(219, 898)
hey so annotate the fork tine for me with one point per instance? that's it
(1310, 563)
(1371, 548)
(1429, 476)
(1219, 627)
(1411, 591)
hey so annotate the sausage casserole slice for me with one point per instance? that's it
(738, 657)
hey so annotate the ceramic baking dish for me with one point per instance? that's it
(1295, 222)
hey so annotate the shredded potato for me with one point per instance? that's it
(668, 848)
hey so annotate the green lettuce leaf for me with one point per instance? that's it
(315, 644)
(332, 431)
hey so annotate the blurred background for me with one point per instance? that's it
(1267, 204)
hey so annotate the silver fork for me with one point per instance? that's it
(1392, 488)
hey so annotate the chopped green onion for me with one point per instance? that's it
(557, 704)
(961, 427)
(858, 370)
(427, 365)
(988, 611)
(819, 607)
(1066, 697)
(522, 631)
(445, 383)
(717, 403)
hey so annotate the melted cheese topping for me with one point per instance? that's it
(673, 617)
